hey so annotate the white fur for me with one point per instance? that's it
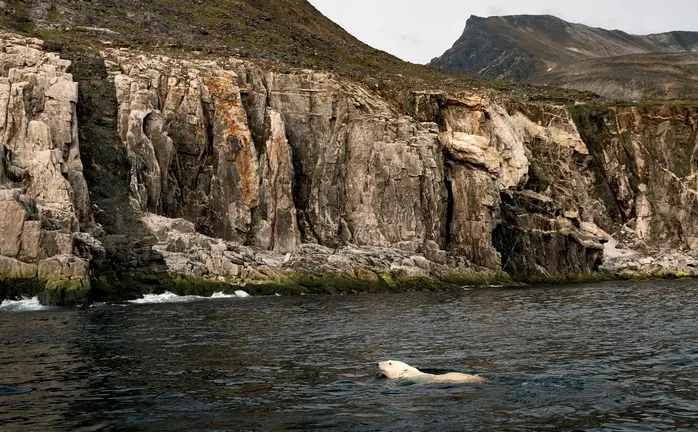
(394, 369)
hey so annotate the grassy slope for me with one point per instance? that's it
(635, 77)
(283, 32)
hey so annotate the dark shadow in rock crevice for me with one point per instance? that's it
(448, 226)
(105, 160)
(106, 169)
(590, 123)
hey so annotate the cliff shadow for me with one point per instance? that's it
(106, 168)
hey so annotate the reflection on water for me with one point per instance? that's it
(615, 357)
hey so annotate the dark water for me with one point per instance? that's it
(615, 357)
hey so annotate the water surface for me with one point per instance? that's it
(611, 357)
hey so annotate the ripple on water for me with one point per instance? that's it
(12, 391)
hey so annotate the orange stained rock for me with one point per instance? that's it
(229, 110)
(451, 100)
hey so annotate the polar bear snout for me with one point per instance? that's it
(394, 369)
(387, 369)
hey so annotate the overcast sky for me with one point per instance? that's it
(418, 30)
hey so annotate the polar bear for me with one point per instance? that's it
(394, 369)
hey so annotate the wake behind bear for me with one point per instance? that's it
(398, 370)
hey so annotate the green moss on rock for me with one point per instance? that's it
(475, 279)
(325, 284)
(66, 292)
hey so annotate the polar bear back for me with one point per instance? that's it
(456, 377)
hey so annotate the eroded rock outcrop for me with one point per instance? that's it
(39, 131)
(44, 198)
(190, 254)
(519, 181)
(277, 228)
(276, 156)
(647, 159)
(364, 174)
(191, 153)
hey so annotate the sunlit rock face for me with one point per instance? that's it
(44, 198)
(190, 152)
(39, 132)
(265, 157)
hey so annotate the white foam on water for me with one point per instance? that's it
(168, 297)
(222, 295)
(24, 305)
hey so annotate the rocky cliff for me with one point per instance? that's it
(647, 158)
(45, 200)
(127, 172)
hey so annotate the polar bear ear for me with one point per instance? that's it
(404, 373)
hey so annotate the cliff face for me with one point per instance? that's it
(648, 158)
(44, 199)
(353, 170)
(213, 174)
(240, 152)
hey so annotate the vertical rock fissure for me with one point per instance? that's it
(301, 199)
(590, 127)
(344, 222)
(205, 222)
(448, 226)
(154, 199)
(103, 157)
(3, 163)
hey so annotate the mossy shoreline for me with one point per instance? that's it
(110, 288)
(107, 287)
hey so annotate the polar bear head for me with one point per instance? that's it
(394, 369)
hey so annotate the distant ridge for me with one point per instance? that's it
(521, 47)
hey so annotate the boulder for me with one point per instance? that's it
(12, 218)
(66, 281)
(11, 268)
